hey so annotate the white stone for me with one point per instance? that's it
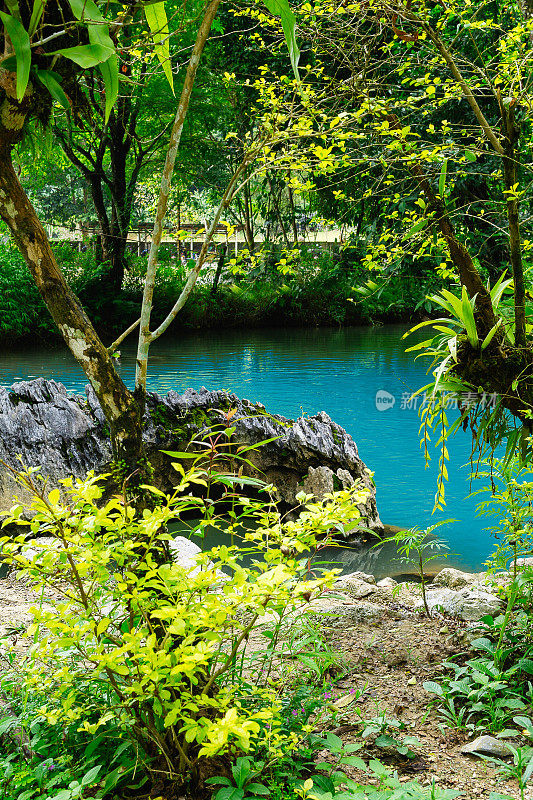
(488, 746)
(387, 583)
(469, 604)
(318, 482)
(360, 576)
(184, 551)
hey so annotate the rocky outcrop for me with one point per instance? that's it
(67, 435)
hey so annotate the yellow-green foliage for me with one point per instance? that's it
(153, 643)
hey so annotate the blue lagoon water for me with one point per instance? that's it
(295, 371)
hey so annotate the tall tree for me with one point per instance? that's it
(74, 36)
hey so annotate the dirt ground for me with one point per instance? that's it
(389, 658)
(389, 650)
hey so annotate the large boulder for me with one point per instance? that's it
(68, 435)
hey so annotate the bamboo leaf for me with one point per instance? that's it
(21, 45)
(415, 228)
(86, 55)
(442, 178)
(86, 10)
(156, 17)
(281, 8)
(109, 70)
(467, 307)
(490, 335)
(36, 14)
(51, 81)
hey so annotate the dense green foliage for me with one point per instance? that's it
(318, 289)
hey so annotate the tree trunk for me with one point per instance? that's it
(248, 222)
(510, 177)
(120, 406)
(220, 267)
(293, 217)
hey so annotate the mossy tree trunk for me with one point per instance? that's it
(119, 405)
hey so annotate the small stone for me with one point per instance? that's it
(319, 482)
(469, 604)
(360, 576)
(396, 657)
(411, 682)
(184, 551)
(487, 746)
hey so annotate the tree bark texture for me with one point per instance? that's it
(117, 402)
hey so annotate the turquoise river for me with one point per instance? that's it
(344, 372)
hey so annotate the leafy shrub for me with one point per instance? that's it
(22, 312)
(146, 644)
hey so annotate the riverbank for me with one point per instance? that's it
(321, 290)
(382, 654)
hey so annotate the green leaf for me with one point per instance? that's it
(156, 17)
(415, 228)
(258, 788)
(490, 335)
(241, 771)
(526, 665)
(51, 81)
(433, 688)
(86, 55)
(86, 10)
(36, 14)
(21, 44)
(89, 776)
(109, 70)
(229, 793)
(470, 156)
(442, 178)
(178, 454)
(467, 307)
(281, 8)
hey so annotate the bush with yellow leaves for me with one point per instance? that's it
(139, 639)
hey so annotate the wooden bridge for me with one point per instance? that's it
(140, 237)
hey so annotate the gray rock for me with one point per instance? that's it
(346, 613)
(354, 587)
(487, 746)
(345, 478)
(454, 578)
(469, 604)
(524, 562)
(387, 583)
(319, 482)
(396, 656)
(68, 436)
(360, 576)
